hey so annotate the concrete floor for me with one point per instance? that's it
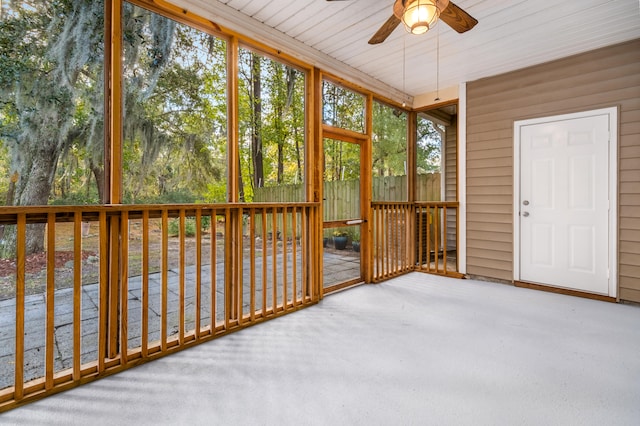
(418, 349)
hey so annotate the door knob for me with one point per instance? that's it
(525, 202)
(525, 214)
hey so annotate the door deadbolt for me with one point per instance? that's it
(525, 214)
(525, 202)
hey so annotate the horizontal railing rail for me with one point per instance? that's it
(116, 285)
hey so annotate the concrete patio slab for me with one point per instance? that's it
(418, 349)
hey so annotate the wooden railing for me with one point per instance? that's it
(436, 237)
(120, 285)
(392, 233)
(414, 236)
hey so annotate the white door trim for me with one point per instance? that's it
(462, 178)
(612, 112)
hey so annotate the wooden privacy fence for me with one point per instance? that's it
(344, 195)
(128, 292)
(414, 236)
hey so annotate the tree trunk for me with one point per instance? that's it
(256, 134)
(98, 174)
(240, 185)
(33, 188)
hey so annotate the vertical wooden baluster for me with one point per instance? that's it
(401, 239)
(419, 220)
(214, 269)
(124, 292)
(274, 262)
(396, 228)
(165, 278)
(436, 240)
(387, 239)
(284, 258)
(104, 290)
(181, 289)
(405, 238)
(240, 259)
(394, 239)
(252, 256)
(444, 239)
(145, 283)
(21, 234)
(51, 291)
(114, 274)
(429, 219)
(228, 278)
(304, 244)
(376, 240)
(294, 248)
(198, 270)
(408, 237)
(77, 292)
(380, 244)
(263, 212)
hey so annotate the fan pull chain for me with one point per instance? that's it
(438, 65)
(404, 74)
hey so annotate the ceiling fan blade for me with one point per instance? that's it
(385, 30)
(457, 18)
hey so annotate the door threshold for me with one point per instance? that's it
(342, 286)
(565, 291)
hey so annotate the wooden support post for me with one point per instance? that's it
(316, 191)
(366, 195)
(412, 171)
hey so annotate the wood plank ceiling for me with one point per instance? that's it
(510, 35)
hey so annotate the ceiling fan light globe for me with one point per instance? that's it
(420, 16)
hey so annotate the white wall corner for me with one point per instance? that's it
(462, 177)
(433, 98)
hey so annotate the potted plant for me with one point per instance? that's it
(355, 245)
(340, 240)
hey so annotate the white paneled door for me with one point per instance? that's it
(564, 203)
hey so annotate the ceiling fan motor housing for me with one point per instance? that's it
(401, 5)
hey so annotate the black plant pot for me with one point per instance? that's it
(356, 246)
(325, 241)
(340, 243)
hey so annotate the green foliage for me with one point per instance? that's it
(342, 160)
(175, 104)
(428, 146)
(342, 107)
(189, 226)
(174, 197)
(77, 198)
(216, 192)
(271, 123)
(389, 141)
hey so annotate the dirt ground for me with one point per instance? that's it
(36, 264)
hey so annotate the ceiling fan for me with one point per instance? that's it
(419, 15)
